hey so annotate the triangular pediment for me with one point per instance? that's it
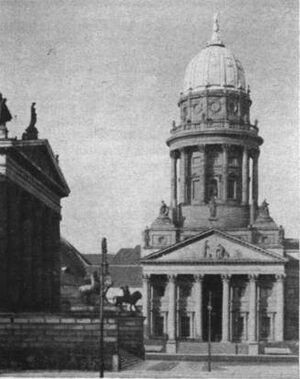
(40, 154)
(213, 246)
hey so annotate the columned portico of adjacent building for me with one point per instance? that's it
(247, 303)
(183, 307)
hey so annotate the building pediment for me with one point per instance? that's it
(213, 246)
(36, 158)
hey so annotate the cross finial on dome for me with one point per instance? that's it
(215, 38)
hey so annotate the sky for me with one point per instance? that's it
(106, 78)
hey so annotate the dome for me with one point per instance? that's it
(214, 66)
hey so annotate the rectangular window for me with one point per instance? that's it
(185, 326)
(158, 325)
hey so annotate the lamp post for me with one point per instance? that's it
(209, 308)
(105, 281)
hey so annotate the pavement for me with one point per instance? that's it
(177, 369)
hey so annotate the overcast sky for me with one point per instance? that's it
(106, 78)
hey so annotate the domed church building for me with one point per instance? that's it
(215, 245)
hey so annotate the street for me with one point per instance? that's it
(179, 369)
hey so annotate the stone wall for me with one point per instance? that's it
(29, 252)
(40, 341)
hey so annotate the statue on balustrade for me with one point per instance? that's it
(128, 298)
(90, 291)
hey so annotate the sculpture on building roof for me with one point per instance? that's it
(163, 210)
(146, 237)
(264, 208)
(281, 234)
(5, 115)
(31, 132)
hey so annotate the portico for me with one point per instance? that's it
(244, 284)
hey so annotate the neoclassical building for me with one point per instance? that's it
(31, 187)
(215, 240)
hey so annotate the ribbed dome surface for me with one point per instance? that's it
(214, 66)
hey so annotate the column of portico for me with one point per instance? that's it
(173, 179)
(201, 149)
(255, 177)
(279, 317)
(225, 308)
(146, 304)
(171, 346)
(225, 172)
(245, 176)
(198, 306)
(183, 175)
(252, 335)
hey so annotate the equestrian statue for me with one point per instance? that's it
(129, 298)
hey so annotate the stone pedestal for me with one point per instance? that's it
(171, 347)
(253, 348)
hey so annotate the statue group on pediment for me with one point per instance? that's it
(219, 253)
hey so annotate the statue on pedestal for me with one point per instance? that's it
(31, 132)
(264, 208)
(146, 235)
(5, 116)
(163, 210)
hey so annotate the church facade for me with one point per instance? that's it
(215, 247)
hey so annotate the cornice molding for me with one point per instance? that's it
(29, 183)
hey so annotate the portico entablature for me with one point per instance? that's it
(214, 269)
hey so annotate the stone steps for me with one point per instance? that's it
(127, 360)
(216, 348)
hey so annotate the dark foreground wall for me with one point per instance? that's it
(37, 341)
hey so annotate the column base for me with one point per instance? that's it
(171, 347)
(253, 348)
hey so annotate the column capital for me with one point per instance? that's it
(201, 148)
(255, 153)
(174, 154)
(280, 277)
(253, 277)
(172, 278)
(146, 277)
(226, 277)
(198, 277)
(225, 146)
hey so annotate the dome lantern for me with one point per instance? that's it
(214, 67)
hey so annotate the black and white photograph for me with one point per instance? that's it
(149, 189)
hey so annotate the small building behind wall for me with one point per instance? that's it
(31, 188)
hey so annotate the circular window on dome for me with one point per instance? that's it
(215, 106)
(198, 108)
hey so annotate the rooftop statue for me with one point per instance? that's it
(264, 208)
(5, 115)
(31, 132)
(163, 210)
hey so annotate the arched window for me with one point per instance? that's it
(232, 187)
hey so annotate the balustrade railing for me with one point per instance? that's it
(222, 125)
